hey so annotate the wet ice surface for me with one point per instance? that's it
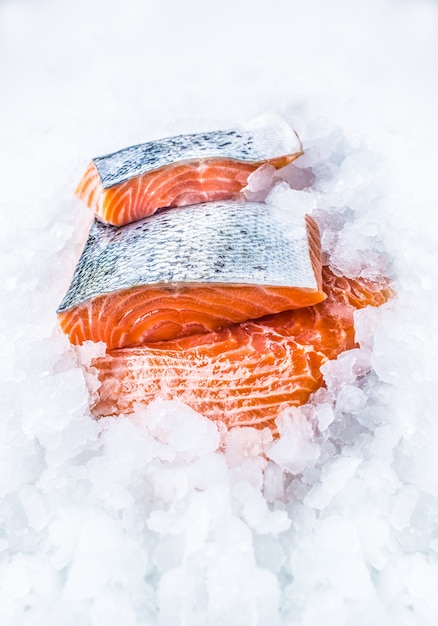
(147, 520)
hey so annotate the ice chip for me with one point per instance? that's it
(349, 366)
(182, 428)
(256, 513)
(89, 350)
(365, 323)
(269, 552)
(33, 506)
(291, 203)
(318, 498)
(296, 176)
(168, 552)
(325, 416)
(245, 443)
(16, 578)
(273, 483)
(86, 578)
(54, 400)
(423, 579)
(335, 475)
(296, 448)
(351, 399)
(403, 507)
(260, 183)
(168, 484)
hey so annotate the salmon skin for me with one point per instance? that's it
(191, 270)
(133, 183)
(246, 374)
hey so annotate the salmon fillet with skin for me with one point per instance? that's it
(189, 271)
(246, 374)
(188, 169)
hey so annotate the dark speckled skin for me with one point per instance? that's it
(271, 138)
(125, 164)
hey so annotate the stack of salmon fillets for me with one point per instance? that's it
(198, 294)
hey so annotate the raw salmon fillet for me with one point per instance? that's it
(191, 270)
(134, 182)
(248, 373)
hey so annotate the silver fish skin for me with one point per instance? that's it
(267, 137)
(229, 242)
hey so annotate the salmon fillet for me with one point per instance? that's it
(188, 169)
(190, 271)
(248, 373)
